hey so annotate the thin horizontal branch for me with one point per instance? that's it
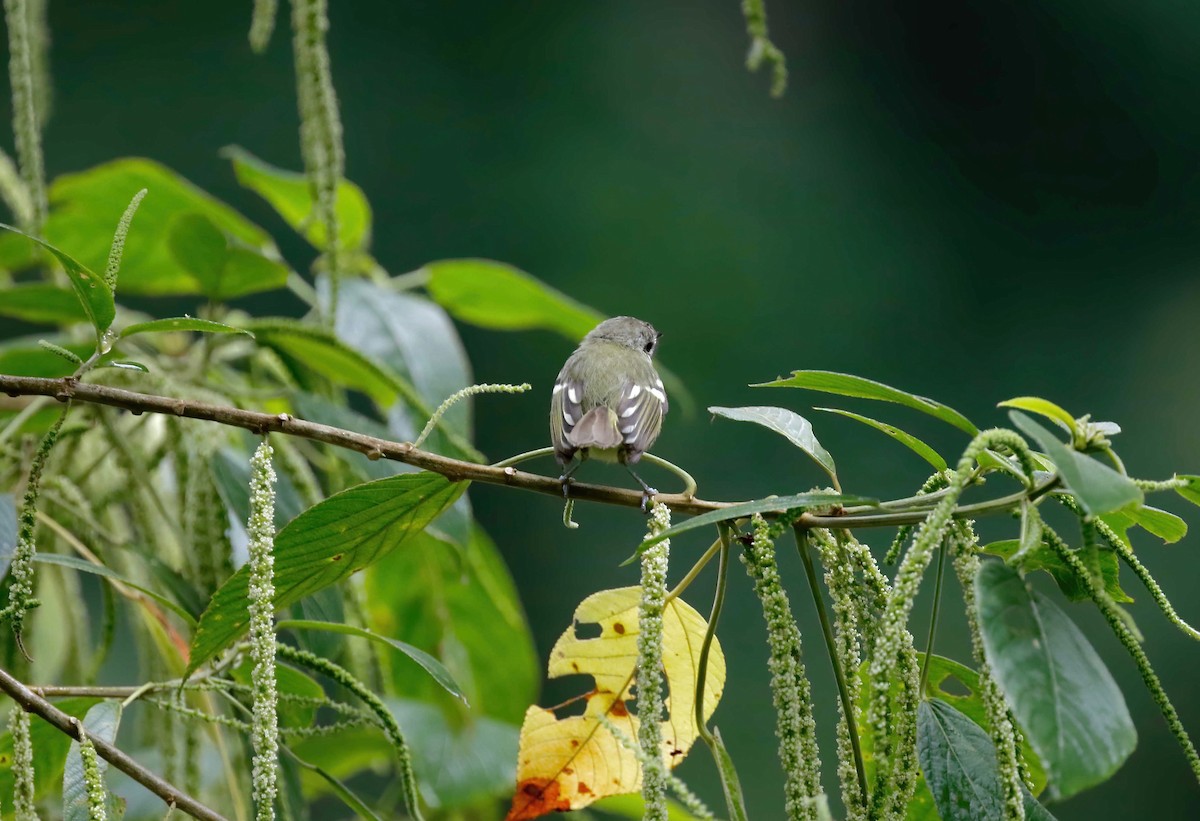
(373, 447)
(173, 796)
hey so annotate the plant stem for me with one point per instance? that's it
(713, 617)
(831, 646)
(33, 703)
(458, 470)
(933, 617)
(701, 563)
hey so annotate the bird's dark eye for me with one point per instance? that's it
(649, 347)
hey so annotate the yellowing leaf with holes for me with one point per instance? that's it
(569, 762)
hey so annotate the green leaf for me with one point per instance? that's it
(312, 349)
(36, 302)
(1047, 559)
(290, 194)
(431, 665)
(959, 763)
(93, 292)
(108, 573)
(86, 207)
(461, 606)
(124, 365)
(222, 269)
(1065, 699)
(907, 439)
(412, 337)
(944, 673)
(498, 296)
(325, 544)
(1190, 491)
(847, 385)
(793, 426)
(771, 504)
(1046, 408)
(50, 746)
(1166, 526)
(101, 721)
(182, 323)
(1099, 488)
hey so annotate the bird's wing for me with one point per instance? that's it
(565, 413)
(640, 413)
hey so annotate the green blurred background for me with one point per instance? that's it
(971, 200)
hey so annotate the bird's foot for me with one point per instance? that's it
(565, 479)
(648, 494)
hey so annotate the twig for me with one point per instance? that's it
(455, 469)
(173, 796)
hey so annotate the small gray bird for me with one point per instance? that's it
(608, 401)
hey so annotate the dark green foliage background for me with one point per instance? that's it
(970, 200)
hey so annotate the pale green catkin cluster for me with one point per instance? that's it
(470, 390)
(650, 662)
(118, 244)
(264, 734)
(26, 122)
(761, 47)
(1132, 645)
(893, 715)
(262, 24)
(845, 591)
(792, 696)
(20, 590)
(22, 765)
(96, 798)
(1004, 737)
(320, 127)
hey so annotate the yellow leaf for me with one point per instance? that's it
(567, 763)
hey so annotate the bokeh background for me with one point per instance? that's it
(971, 200)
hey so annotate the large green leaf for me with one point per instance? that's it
(1047, 559)
(959, 763)
(1060, 691)
(432, 666)
(461, 606)
(50, 746)
(498, 296)
(38, 302)
(771, 504)
(290, 194)
(1099, 488)
(907, 439)
(848, 385)
(791, 425)
(101, 721)
(312, 349)
(87, 205)
(324, 545)
(222, 268)
(412, 337)
(94, 294)
(1166, 526)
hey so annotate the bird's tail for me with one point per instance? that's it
(599, 428)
